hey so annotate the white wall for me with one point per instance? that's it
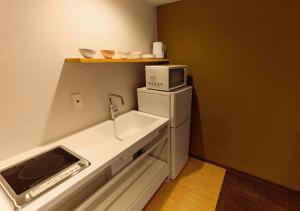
(36, 84)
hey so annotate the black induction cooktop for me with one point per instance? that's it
(35, 176)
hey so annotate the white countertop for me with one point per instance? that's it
(91, 145)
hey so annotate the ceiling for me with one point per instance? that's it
(160, 2)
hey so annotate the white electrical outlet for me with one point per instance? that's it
(77, 101)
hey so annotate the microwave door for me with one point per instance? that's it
(176, 77)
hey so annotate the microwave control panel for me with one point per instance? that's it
(156, 79)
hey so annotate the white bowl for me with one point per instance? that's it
(87, 53)
(148, 56)
(123, 54)
(136, 55)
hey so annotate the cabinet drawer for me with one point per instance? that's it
(150, 190)
(124, 189)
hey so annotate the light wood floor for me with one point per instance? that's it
(196, 188)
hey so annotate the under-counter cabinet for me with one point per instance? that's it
(133, 187)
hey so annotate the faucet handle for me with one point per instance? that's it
(113, 107)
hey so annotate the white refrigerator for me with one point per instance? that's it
(175, 105)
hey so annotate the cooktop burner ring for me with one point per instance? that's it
(40, 167)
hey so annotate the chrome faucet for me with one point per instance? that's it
(113, 107)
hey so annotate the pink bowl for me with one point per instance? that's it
(108, 54)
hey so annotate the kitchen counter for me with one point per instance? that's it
(97, 148)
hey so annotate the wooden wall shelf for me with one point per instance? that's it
(83, 60)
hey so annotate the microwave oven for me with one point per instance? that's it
(166, 77)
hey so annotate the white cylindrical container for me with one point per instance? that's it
(159, 50)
